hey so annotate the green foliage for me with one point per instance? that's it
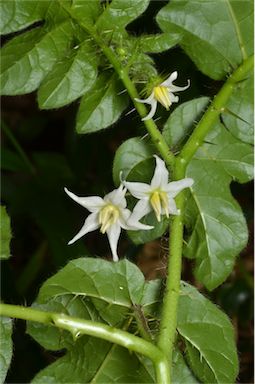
(6, 346)
(219, 230)
(102, 105)
(119, 13)
(96, 290)
(130, 154)
(217, 35)
(5, 230)
(159, 43)
(69, 79)
(209, 338)
(179, 125)
(28, 58)
(239, 113)
(18, 14)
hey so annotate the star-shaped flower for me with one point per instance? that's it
(164, 94)
(158, 195)
(108, 213)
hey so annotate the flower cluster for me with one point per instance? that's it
(110, 213)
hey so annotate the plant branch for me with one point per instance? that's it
(216, 108)
(156, 136)
(171, 297)
(79, 327)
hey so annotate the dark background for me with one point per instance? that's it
(41, 154)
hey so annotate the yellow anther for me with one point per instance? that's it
(158, 201)
(108, 215)
(156, 204)
(161, 94)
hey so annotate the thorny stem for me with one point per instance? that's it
(79, 327)
(161, 355)
(170, 301)
(151, 127)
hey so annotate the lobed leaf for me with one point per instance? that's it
(219, 230)
(5, 229)
(27, 58)
(217, 35)
(6, 346)
(218, 227)
(209, 338)
(69, 79)
(17, 15)
(102, 105)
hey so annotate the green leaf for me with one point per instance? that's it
(119, 13)
(27, 58)
(219, 229)
(112, 287)
(129, 155)
(142, 237)
(16, 14)
(5, 229)
(181, 121)
(77, 290)
(102, 105)
(238, 115)
(86, 11)
(95, 360)
(181, 373)
(6, 346)
(209, 338)
(159, 43)
(69, 79)
(215, 53)
(53, 338)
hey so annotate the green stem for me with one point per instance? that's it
(171, 297)
(79, 327)
(216, 108)
(157, 138)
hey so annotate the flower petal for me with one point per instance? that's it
(117, 197)
(138, 190)
(128, 222)
(160, 177)
(152, 111)
(91, 223)
(168, 82)
(175, 187)
(173, 98)
(113, 233)
(91, 203)
(175, 88)
(172, 209)
(146, 101)
(142, 208)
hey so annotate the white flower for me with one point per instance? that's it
(163, 93)
(158, 195)
(109, 213)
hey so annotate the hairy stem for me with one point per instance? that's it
(79, 327)
(170, 302)
(151, 127)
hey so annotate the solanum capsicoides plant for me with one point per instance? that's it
(99, 311)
